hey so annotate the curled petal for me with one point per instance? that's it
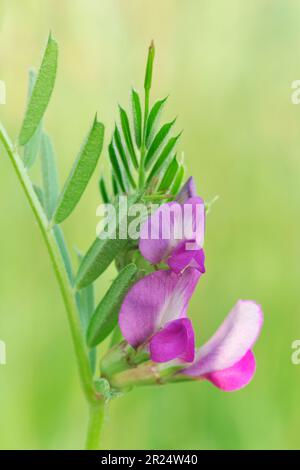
(175, 340)
(236, 376)
(188, 190)
(154, 301)
(231, 342)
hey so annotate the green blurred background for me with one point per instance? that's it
(228, 66)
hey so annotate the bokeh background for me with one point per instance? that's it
(227, 66)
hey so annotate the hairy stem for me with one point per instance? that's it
(85, 372)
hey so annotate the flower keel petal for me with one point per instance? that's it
(176, 340)
(235, 377)
(231, 342)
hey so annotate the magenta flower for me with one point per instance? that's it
(153, 316)
(174, 233)
(227, 359)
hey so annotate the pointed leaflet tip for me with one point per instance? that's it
(152, 45)
(149, 67)
(51, 38)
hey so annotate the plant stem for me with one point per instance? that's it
(96, 418)
(85, 372)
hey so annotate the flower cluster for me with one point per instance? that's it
(153, 317)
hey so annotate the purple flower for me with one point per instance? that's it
(227, 359)
(174, 233)
(153, 316)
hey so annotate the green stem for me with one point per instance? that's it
(81, 352)
(96, 418)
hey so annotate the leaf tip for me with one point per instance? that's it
(149, 67)
(96, 118)
(152, 46)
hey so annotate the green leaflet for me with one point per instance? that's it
(152, 119)
(114, 185)
(104, 250)
(86, 306)
(86, 302)
(105, 317)
(169, 176)
(157, 142)
(32, 147)
(137, 117)
(127, 136)
(163, 157)
(116, 337)
(123, 156)
(81, 172)
(149, 67)
(178, 181)
(41, 92)
(116, 167)
(103, 190)
(97, 259)
(49, 175)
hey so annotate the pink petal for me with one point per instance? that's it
(171, 224)
(236, 376)
(175, 340)
(155, 241)
(188, 190)
(231, 342)
(181, 258)
(154, 301)
(194, 222)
